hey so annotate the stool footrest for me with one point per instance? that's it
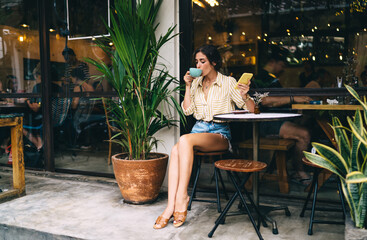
(328, 222)
(326, 209)
(204, 200)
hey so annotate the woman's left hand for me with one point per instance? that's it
(244, 88)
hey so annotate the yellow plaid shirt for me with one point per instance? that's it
(222, 98)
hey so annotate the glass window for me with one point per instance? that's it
(320, 34)
(20, 76)
(81, 135)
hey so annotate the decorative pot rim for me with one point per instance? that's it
(163, 155)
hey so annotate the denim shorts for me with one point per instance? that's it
(212, 127)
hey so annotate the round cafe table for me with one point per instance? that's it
(255, 119)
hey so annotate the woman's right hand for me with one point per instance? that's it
(188, 79)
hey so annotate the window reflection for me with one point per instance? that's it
(326, 33)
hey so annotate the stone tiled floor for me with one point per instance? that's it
(62, 206)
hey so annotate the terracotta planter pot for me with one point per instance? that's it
(140, 180)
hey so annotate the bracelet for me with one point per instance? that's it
(247, 98)
(291, 99)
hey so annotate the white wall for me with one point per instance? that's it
(168, 17)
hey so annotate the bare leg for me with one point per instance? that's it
(180, 167)
(35, 139)
(291, 130)
(187, 144)
(172, 182)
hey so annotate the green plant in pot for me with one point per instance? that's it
(145, 95)
(349, 160)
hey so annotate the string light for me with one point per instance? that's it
(197, 2)
(212, 3)
(24, 25)
(258, 37)
(337, 29)
(265, 34)
(328, 24)
(243, 33)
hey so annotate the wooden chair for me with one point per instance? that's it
(280, 147)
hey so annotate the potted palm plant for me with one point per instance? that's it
(145, 95)
(349, 160)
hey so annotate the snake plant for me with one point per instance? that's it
(144, 87)
(349, 160)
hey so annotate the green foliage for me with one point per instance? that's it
(349, 160)
(144, 89)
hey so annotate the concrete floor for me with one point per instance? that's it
(62, 206)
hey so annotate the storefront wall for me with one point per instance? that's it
(79, 141)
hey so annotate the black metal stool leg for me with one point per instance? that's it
(314, 179)
(224, 188)
(198, 164)
(313, 207)
(217, 189)
(226, 208)
(222, 215)
(245, 205)
(261, 217)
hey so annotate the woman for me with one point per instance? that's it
(205, 96)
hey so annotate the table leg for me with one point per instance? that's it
(265, 210)
(255, 178)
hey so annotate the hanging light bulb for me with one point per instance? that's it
(212, 3)
(200, 4)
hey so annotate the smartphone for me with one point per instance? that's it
(245, 78)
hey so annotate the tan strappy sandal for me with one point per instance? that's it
(161, 222)
(179, 218)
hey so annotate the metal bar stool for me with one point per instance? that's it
(244, 166)
(198, 156)
(314, 188)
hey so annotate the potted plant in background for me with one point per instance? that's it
(145, 96)
(349, 160)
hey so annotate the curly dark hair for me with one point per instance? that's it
(213, 55)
